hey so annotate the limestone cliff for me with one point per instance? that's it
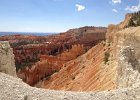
(125, 53)
(128, 57)
(7, 62)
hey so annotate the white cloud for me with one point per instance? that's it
(116, 1)
(133, 8)
(80, 7)
(115, 10)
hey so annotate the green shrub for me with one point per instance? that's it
(85, 50)
(55, 71)
(106, 57)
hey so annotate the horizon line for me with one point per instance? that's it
(25, 32)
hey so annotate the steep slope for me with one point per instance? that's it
(109, 65)
(86, 73)
(49, 65)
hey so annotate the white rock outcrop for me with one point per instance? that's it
(7, 62)
(128, 57)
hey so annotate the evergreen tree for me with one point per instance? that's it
(135, 20)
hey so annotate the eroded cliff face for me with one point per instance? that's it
(113, 29)
(89, 72)
(128, 57)
(7, 62)
(49, 65)
(126, 53)
(114, 63)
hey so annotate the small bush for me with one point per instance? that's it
(106, 57)
(104, 43)
(55, 71)
(109, 44)
(73, 77)
(85, 50)
(83, 66)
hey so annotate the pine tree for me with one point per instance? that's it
(135, 20)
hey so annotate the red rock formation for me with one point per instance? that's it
(33, 51)
(86, 73)
(49, 65)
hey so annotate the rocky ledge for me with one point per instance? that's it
(12, 88)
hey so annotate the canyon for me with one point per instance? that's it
(37, 57)
(107, 67)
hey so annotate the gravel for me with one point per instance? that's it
(12, 88)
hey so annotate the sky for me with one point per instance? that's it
(61, 15)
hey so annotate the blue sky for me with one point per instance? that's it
(61, 15)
